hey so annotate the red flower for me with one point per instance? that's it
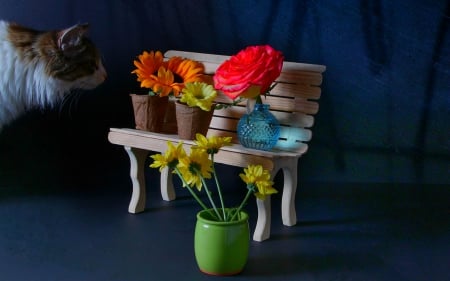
(253, 66)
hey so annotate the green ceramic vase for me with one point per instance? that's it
(221, 248)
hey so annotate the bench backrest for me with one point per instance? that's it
(293, 101)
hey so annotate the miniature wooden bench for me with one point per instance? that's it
(291, 101)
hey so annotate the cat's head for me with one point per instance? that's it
(73, 59)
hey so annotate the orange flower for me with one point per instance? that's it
(184, 71)
(250, 72)
(147, 65)
(167, 77)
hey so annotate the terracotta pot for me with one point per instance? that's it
(192, 120)
(170, 120)
(149, 112)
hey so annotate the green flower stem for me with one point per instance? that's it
(193, 193)
(211, 199)
(228, 105)
(219, 190)
(249, 192)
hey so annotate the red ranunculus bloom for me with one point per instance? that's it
(253, 66)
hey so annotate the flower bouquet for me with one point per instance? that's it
(221, 238)
(250, 74)
(195, 168)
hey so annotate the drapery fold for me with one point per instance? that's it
(385, 103)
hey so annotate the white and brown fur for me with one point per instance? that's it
(39, 68)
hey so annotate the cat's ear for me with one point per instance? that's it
(69, 40)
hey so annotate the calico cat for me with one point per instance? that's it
(39, 68)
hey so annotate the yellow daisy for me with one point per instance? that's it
(170, 158)
(264, 188)
(256, 176)
(211, 144)
(198, 94)
(195, 167)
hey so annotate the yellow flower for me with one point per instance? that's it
(166, 77)
(264, 188)
(198, 94)
(211, 144)
(256, 176)
(170, 158)
(195, 167)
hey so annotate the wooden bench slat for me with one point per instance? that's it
(290, 134)
(210, 67)
(295, 133)
(287, 66)
(294, 119)
(289, 145)
(232, 115)
(197, 56)
(223, 133)
(296, 90)
(226, 124)
(288, 104)
(287, 76)
(222, 98)
(279, 103)
(227, 119)
(306, 77)
(242, 160)
(231, 112)
(282, 90)
(292, 105)
(158, 142)
(305, 106)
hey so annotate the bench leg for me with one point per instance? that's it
(137, 161)
(263, 223)
(262, 229)
(167, 189)
(288, 212)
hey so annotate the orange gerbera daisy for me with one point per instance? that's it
(147, 64)
(167, 77)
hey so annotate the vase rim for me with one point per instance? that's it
(242, 217)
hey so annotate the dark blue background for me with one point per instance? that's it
(385, 107)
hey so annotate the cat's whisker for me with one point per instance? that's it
(70, 102)
(64, 101)
(75, 101)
